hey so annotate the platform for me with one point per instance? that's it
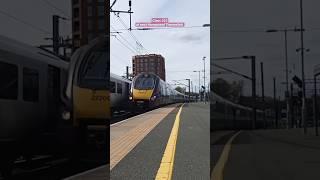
(140, 145)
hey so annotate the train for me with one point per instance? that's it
(32, 82)
(87, 95)
(149, 91)
(119, 92)
(227, 115)
(46, 103)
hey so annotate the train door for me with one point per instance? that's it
(53, 97)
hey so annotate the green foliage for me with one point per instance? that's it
(231, 91)
(180, 89)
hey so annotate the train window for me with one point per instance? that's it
(119, 88)
(30, 85)
(8, 81)
(112, 87)
(144, 83)
(95, 69)
(53, 84)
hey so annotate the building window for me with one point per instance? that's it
(76, 26)
(75, 1)
(76, 12)
(90, 25)
(101, 11)
(101, 24)
(90, 11)
(112, 87)
(9, 81)
(30, 85)
(119, 88)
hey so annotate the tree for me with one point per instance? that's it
(236, 90)
(180, 89)
(221, 87)
(231, 91)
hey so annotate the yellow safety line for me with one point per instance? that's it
(166, 167)
(217, 173)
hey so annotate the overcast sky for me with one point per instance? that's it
(15, 14)
(258, 16)
(182, 49)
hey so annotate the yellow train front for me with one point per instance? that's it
(149, 91)
(87, 90)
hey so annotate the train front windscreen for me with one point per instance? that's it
(95, 70)
(144, 83)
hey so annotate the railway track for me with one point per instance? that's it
(125, 114)
(55, 167)
(62, 165)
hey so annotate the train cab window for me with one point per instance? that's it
(30, 85)
(144, 83)
(8, 81)
(112, 87)
(119, 88)
(94, 70)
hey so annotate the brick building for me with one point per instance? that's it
(152, 63)
(89, 20)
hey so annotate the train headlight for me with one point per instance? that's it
(66, 115)
(130, 98)
(153, 98)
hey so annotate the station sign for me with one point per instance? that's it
(160, 22)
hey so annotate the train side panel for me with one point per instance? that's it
(90, 106)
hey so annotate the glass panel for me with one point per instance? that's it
(144, 83)
(112, 87)
(30, 85)
(119, 88)
(8, 81)
(95, 69)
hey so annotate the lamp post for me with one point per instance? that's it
(204, 78)
(315, 104)
(253, 76)
(199, 83)
(262, 94)
(189, 87)
(303, 108)
(286, 64)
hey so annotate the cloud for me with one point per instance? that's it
(191, 38)
(171, 43)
